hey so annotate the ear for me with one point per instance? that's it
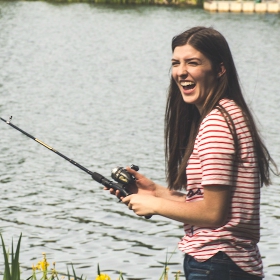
(221, 70)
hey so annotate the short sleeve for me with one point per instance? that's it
(215, 147)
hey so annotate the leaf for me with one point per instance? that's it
(164, 273)
(15, 261)
(7, 273)
(98, 269)
(121, 277)
(13, 272)
(74, 273)
(68, 274)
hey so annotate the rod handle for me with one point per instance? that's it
(110, 184)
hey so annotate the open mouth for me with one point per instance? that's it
(187, 85)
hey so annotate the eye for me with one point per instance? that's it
(174, 63)
(193, 63)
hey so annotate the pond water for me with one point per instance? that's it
(91, 81)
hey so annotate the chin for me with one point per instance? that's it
(189, 100)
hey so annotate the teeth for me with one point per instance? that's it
(185, 84)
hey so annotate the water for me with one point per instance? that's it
(91, 81)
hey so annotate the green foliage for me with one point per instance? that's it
(12, 269)
(164, 275)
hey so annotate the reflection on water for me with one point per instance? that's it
(91, 81)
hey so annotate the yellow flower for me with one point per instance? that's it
(177, 275)
(38, 266)
(103, 277)
(43, 265)
(166, 273)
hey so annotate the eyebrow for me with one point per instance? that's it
(188, 59)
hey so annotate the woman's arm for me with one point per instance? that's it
(212, 211)
(145, 186)
(149, 198)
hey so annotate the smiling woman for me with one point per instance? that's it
(193, 74)
(215, 154)
(217, 146)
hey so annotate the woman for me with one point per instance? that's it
(214, 153)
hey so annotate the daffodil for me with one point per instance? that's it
(43, 265)
(103, 277)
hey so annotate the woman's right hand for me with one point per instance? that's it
(141, 185)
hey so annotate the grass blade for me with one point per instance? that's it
(7, 273)
(15, 261)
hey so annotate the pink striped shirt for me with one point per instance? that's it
(213, 163)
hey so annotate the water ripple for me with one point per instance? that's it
(91, 81)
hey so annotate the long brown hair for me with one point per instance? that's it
(182, 120)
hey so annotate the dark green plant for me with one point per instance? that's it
(74, 276)
(12, 269)
(164, 275)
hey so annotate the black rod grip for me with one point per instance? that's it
(109, 184)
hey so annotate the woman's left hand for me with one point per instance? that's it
(142, 205)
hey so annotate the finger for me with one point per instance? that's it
(112, 191)
(136, 174)
(126, 200)
(118, 194)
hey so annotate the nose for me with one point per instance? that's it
(182, 70)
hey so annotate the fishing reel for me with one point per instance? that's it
(122, 176)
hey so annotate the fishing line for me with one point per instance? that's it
(119, 174)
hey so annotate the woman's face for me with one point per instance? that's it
(193, 73)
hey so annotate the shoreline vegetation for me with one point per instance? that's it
(185, 3)
(43, 271)
(212, 6)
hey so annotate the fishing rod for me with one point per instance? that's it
(119, 174)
